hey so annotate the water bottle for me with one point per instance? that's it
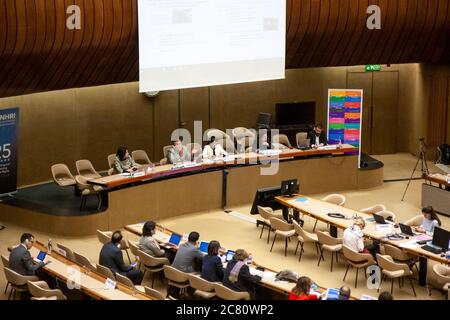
(339, 144)
(49, 246)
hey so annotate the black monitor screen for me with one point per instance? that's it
(441, 238)
(295, 113)
(266, 198)
(289, 187)
(264, 120)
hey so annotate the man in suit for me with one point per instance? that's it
(20, 259)
(317, 136)
(189, 256)
(111, 257)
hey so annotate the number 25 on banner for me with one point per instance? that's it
(5, 151)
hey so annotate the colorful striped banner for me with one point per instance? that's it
(345, 117)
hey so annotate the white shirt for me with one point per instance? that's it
(354, 238)
(208, 152)
(317, 140)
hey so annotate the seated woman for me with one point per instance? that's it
(149, 245)
(237, 274)
(212, 268)
(302, 289)
(213, 149)
(123, 161)
(430, 220)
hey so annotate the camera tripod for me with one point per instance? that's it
(424, 166)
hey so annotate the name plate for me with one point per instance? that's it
(384, 227)
(138, 174)
(110, 284)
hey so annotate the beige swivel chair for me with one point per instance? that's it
(374, 209)
(128, 283)
(155, 294)
(165, 152)
(87, 190)
(62, 175)
(337, 199)
(225, 293)
(134, 248)
(304, 237)
(389, 215)
(84, 262)
(357, 260)
(40, 289)
(282, 229)
(266, 213)
(300, 136)
(68, 251)
(401, 256)
(282, 139)
(198, 150)
(141, 157)
(5, 261)
(111, 159)
(414, 221)
(329, 243)
(152, 264)
(86, 169)
(244, 138)
(105, 236)
(439, 279)
(203, 288)
(394, 270)
(176, 278)
(17, 281)
(106, 272)
(45, 298)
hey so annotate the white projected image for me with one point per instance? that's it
(193, 43)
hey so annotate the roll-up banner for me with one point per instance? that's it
(9, 123)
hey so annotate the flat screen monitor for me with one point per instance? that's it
(295, 113)
(265, 197)
(204, 246)
(41, 256)
(175, 239)
(289, 187)
(263, 121)
(441, 238)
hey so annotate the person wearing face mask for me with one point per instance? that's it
(149, 245)
(317, 137)
(20, 259)
(179, 153)
(354, 238)
(213, 149)
(123, 161)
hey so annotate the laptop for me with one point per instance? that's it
(204, 247)
(174, 240)
(229, 256)
(406, 230)
(379, 219)
(303, 144)
(332, 294)
(41, 256)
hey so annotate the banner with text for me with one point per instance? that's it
(344, 118)
(9, 123)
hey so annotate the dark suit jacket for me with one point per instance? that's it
(111, 257)
(312, 138)
(20, 261)
(212, 269)
(246, 281)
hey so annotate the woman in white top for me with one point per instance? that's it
(213, 149)
(430, 220)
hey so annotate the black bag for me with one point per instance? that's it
(286, 275)
(444, 151)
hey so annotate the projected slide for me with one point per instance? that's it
(194, 43)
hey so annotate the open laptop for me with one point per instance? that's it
(229, 256)
(174, 240)
(406, 230)
(303, 144)
(204, 247)
(379, 219)
(41, 256)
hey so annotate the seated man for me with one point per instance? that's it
(179, 153)
(20, 259)
(189, 256)
(344, 293)
(111, 257)
(354, 238)
(317, 137)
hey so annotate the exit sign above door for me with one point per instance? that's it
(373, 67)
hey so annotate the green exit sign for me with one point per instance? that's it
(373, 67)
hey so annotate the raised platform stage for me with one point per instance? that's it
(55, 210)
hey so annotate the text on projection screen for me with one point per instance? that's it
(195, 43)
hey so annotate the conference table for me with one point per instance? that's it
(279, 289)
(320, 209)
(439, 178)
(436, 196)
(80, 278)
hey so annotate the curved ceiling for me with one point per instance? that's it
(38, 52)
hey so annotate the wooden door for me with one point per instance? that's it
(363, 80)
(385, 112)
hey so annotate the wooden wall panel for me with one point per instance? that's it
(437, 116)
(38, 53)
